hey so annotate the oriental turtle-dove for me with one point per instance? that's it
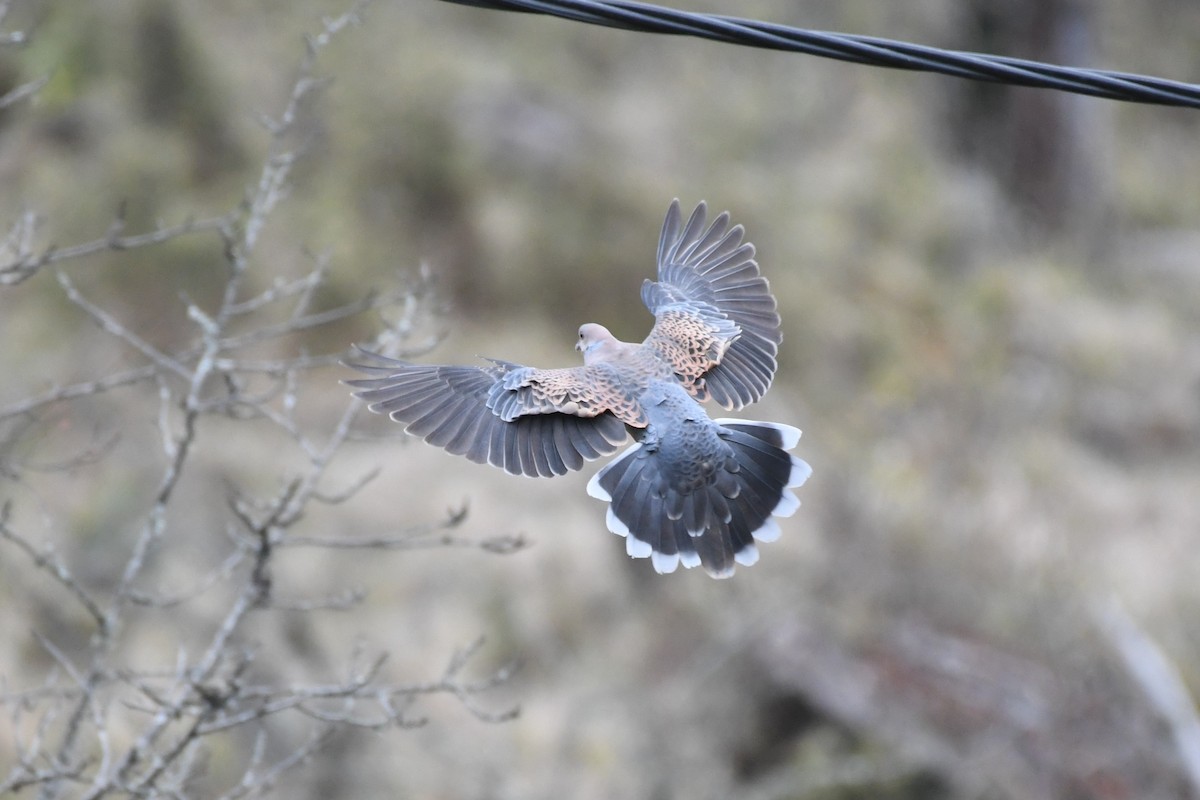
(691, 490)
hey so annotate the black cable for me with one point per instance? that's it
(868, 50)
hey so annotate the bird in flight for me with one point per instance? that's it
(691, 490)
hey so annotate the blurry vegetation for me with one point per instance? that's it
(989, 300)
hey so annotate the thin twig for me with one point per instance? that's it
(206, 582)
(109, 324)
(24, 263)
(268, 332)
(47, 561)
(501, 545)
(77, 390)
(341, 601)
(16, 95)
(1158, 678)
(255, 785)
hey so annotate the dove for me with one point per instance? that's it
(690, 490)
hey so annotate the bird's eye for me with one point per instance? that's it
(581, 334)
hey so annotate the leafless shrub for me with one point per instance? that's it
(108, 719)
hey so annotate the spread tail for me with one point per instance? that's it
(716, 524)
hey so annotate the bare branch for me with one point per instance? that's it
(466, 692)
(110, 325)
(272, 180)
(417, 537)
(280, 289)
(206, 582)
(305, 299)
(255, 784)
(1159, 679)
(342, 601)
(280, 366)
(93, 453)
(501, 545)
(47, 561)
(77, 390)
(12, 37)
(337, 498)
(21, 92)
(266, 333)
(23, 262)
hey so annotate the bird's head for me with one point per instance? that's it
(595, 342)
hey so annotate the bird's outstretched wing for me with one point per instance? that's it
(716, 321)
(470, 411)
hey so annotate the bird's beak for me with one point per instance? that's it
(579, 346)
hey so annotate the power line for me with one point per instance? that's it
(870, 50)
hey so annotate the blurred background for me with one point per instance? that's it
(992, 344)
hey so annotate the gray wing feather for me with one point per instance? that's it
(447, 406)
